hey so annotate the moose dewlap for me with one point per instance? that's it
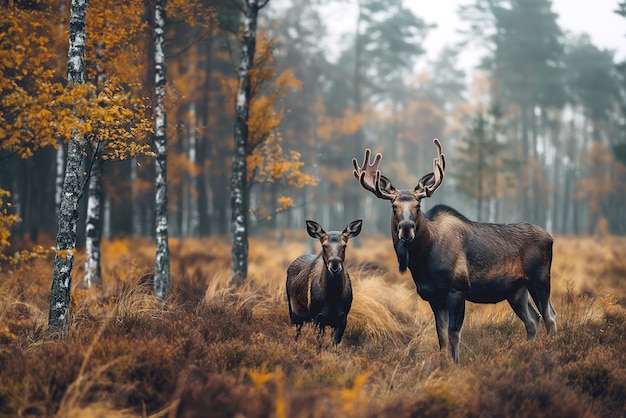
(318, 286)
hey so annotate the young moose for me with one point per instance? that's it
(453, 259)
(318, 286)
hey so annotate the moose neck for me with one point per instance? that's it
(332, 282)
(412, 254)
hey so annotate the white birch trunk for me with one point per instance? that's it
(93, 223)
(239, 194)
(58, 318)
(60, 172)
(193, 208)
(106, 217)
(162, 264)
(93, 227)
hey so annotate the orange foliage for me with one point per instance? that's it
(194, 13)
(270, 163)
(331, 127)
(116, 41)
(28, 84)
(37, 110)
(7, 220)
(267, 161)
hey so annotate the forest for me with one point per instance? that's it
(159, 159)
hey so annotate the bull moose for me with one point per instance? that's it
(318, 286)
(453, 259)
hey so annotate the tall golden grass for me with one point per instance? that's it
(212, 350)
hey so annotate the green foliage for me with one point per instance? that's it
(592, 78)
(481, 168)
(388, 40)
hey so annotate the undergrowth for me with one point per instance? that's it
(215, 351)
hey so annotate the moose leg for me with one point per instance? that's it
(341, 326)
(441, 322)
(456, 313)
(321, 332)
(525, 311)
(540, 292)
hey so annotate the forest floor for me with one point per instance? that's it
(215, 351)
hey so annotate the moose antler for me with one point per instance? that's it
(439, 169)
(369, 175)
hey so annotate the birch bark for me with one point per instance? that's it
(193, 208)
(93, 225)
(239, 193)
(58, 318)
(60, 172)
(162, 264)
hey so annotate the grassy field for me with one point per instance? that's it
(213, 351)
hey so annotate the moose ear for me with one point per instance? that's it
(314, 229)
(427, 180)
(353, 229)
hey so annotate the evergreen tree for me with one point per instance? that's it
(593, 86)
(386, 44)
(481, 169)
(525, 60)
(619, 145)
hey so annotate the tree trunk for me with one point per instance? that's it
(162, 265)
(526, 176)
(569, 205)
(239, 193)
(93, 225)
(93, 219)
(106, 217)
(194, 213)
(60, 173)
(58, 318)
(135, 204)
(351, 196)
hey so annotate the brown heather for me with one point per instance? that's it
(214, 351)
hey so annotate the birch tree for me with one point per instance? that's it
(162, 265)
(239, 188)
(58, 318)
(93, 223)
(110, 48)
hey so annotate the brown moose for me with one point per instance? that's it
(453, 259)
(318, 286)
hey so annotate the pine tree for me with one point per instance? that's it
(481, 170)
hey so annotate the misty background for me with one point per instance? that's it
(529, 107)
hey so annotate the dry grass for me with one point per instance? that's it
(211, 350)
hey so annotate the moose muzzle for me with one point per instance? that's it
(335, 264)
(406, 230)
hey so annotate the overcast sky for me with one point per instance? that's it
(594, 17)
